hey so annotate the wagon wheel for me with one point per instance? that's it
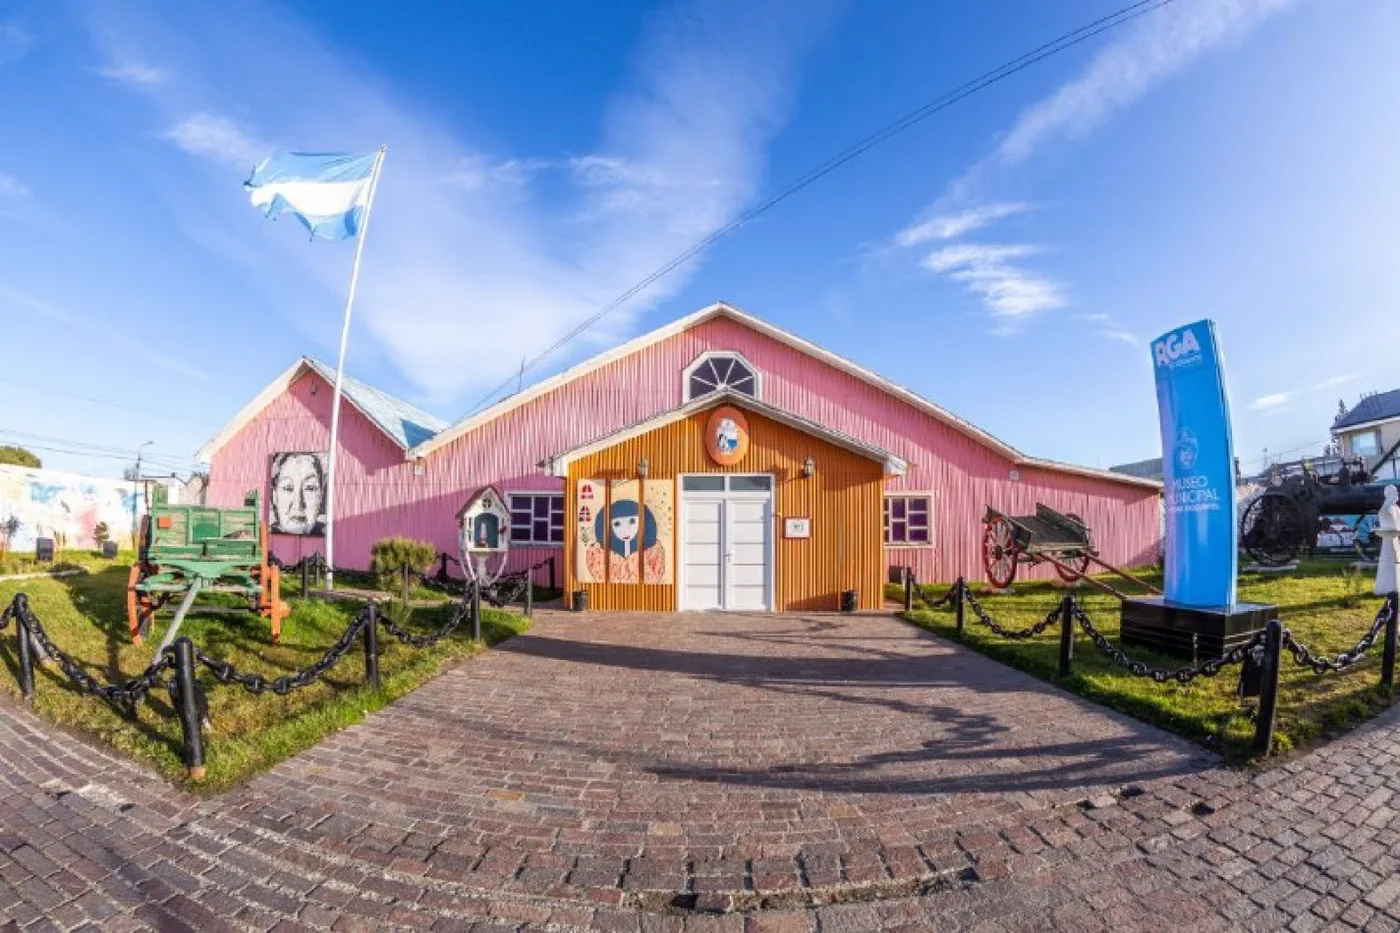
(143, 540)
(1076, 562)
(1272, 529)
(999, 552)
(140, 607)
(271, 604)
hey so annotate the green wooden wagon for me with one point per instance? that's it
(185, 550)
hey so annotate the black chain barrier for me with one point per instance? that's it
(226, 673)
(986, 619)
(943, 600)
(510, 587)
(1321, 664)
(1182, 675)
(430, 638)
(124, 694)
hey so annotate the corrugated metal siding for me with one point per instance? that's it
(387, 498)
(843, 500)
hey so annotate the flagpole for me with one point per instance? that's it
(340, 373)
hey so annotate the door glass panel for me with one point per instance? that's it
(702, 483)
(750, 483)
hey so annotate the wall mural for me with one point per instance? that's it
(621, 540)
(298, 502)
(588, 556)
(46, 503)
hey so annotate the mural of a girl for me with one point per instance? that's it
(624, 531)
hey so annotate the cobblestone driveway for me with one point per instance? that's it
(629, 772)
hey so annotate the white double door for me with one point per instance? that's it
(727, 553)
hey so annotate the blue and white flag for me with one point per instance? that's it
(328, 192)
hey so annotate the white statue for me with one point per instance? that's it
(1388, 527)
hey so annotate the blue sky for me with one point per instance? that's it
(1008, 258)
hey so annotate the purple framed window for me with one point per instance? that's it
(909, 520)
(537, 518)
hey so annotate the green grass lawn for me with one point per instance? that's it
(86, 617)
(1312, 706)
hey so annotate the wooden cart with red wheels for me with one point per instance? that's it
(1062, 540)
(185, 550)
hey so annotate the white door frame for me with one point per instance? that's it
(768, 496)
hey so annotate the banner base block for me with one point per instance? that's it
(1193, 632)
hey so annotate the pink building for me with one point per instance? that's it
(403, 472)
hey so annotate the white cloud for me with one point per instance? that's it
(1097, 317)
(1272, 402)
(14, 42)
(468, 265)
(134, 72)
(974, 254)
(1122, 336)
(1007, 291)
(948, 226)
(12, 187)
(1157, 46)
(478, 173)
(1331, 381)
(220, 139)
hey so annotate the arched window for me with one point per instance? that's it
(712, 372)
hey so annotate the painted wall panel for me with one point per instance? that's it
(380, 495)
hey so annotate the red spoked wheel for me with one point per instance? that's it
(1076, 561)
(1000, 553)
(140, 607)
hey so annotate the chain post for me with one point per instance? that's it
(1268, 688)
(305, 576)
(1392, 625)
(476, 611)
(1066, 635)
(187, 705)
(960, 605)
(372, 647)
(908, 589)
(404, 571)
(529, 595)
(26, 659)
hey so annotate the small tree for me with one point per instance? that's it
(389, 555)
(18, 456)
(101, 534)
(8, 529)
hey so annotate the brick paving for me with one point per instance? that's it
(713, 772)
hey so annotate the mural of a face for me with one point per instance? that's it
(624, 526)
(298, 494)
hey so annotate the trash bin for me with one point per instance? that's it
(580, 601)
(43, 548)
(849, 601)
(109, 549)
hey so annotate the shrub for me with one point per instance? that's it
(101, 534)
(388, 556)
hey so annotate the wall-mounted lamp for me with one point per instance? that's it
(809, 467)
(643, 467)
(417, 466)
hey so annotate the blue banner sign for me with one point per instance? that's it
(1198, 466)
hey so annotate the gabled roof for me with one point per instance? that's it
(723, 309)
(558, 465)
(1383, 406)
(404, 424)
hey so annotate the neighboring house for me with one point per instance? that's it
(1370, 431)
(844, 475)
(1143, 469)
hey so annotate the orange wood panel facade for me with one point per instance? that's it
(844, 500)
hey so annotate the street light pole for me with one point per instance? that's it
(136, 492)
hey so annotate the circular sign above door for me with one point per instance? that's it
(727, 435)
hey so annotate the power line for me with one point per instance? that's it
(1020, 63)
(108, 402)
